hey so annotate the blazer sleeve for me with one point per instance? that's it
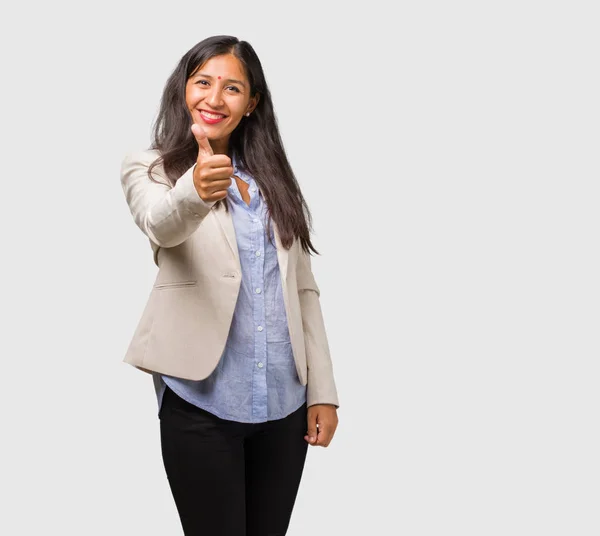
(166, 214)
(321, 388)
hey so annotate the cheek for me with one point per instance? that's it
(237, 109)
(191, 97)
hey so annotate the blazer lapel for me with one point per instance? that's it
(226, 221)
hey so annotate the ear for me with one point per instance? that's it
(253, 103)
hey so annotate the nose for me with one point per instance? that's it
(214, 98)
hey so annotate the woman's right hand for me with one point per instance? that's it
(212, 173)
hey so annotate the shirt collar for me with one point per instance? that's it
(234, 161)
(246, 177)
(237, 171)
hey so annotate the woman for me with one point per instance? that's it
(232, 332)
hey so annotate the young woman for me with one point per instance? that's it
(232, 332)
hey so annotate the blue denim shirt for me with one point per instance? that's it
(256, 378)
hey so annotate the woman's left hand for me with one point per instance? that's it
(325, 416)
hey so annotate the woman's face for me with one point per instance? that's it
(218, 95)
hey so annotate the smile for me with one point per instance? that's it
(211, 118)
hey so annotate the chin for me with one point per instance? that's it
(216, 130)
(215, 135)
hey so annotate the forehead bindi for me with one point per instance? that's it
(225, 67)
(228, 79)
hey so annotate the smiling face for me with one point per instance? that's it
(217, 95)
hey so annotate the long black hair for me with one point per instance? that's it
(256, 140)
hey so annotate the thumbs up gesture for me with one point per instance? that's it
(212, 174)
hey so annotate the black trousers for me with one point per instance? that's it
(230, 478)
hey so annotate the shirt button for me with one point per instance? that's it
(255, 220)
(258, 291)
(259, 328)
(253, 189)
(260, 365)
(258, 253)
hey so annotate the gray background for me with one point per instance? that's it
(449, 153)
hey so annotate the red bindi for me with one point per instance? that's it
(219, 77)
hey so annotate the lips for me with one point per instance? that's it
(210, 117)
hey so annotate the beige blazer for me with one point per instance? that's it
(186, 320)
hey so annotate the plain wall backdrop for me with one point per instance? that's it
(449, 154)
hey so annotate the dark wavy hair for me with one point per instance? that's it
(256, 141)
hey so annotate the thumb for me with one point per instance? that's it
(311, 435)
(204, 148)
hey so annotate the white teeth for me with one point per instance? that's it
(212, 116)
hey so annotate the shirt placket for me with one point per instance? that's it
(259, 383)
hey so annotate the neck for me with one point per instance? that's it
(219, 146)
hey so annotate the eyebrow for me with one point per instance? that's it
(228, 80)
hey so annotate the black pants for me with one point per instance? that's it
(229, 478)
